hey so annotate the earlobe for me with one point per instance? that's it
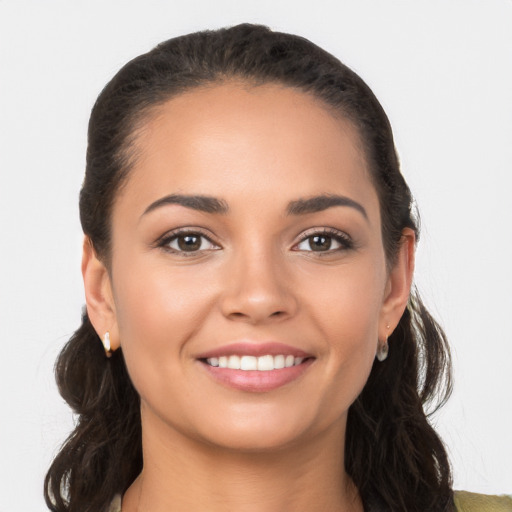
(98, 295)
(399, 285)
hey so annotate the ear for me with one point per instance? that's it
(398, 286)
(98, 295)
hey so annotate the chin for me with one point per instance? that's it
(253, 441)
(260, 431)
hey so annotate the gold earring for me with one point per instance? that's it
(106, 344)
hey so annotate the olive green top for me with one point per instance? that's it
(472, 502)
(464, 502)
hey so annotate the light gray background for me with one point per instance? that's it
(443, 71)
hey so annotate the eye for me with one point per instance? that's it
(187, 242)
(324, 241)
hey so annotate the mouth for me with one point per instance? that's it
(256, 368)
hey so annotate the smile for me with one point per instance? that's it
(255, 367)
(263, 363)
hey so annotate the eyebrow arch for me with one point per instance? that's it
(321, 203)
(202, 203)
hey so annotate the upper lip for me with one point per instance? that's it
(246, 348)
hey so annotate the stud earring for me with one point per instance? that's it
(106, 344)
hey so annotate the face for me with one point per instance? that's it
(248, 234)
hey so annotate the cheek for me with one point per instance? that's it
(150, 298)
(348, 318)
(157, 313)
(351, 326)
(348, 303)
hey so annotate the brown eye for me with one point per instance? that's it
(320, 242)
(325, 241)
(188, 242)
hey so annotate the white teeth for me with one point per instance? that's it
(234, 362)
(278, 362)
(262, 363)
(248, 363)
(265, 363)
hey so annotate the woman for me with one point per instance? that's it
(248, 260)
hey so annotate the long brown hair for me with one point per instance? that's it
(393, 455)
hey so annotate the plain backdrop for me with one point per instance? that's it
(443, 71)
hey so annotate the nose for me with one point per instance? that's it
(258, 289)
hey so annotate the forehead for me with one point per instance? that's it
(233, 138)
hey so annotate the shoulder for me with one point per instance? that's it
(472, 502)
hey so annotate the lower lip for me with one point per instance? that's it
(255, 381)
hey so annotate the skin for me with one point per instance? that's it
(208, 446)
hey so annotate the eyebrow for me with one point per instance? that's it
(321, 203)
(205, 204)
(301, 206)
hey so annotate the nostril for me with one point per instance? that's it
(237, 315)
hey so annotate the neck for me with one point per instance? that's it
(183, 474)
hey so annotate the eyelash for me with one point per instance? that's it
(341, 238)
(168, 238)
